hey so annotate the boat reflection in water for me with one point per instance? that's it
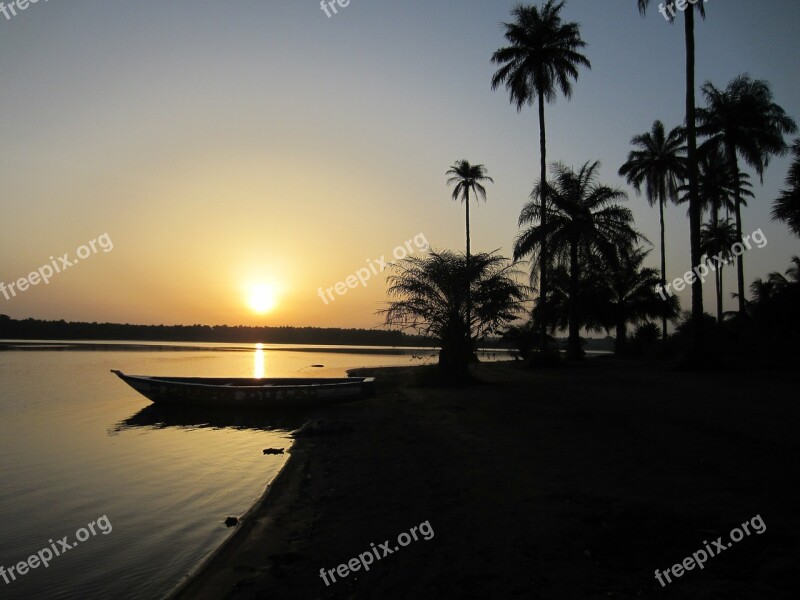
(162, 416)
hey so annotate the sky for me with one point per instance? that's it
(232, 153)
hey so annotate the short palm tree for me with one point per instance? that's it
(543, 55)
(716, 239)
(787, 207)
(630, 295)
(762, 292)
(468, 178)
(791, 278)
(743, 120)
(584, 220)
(793, 272)
(659, 164)
(560, 305)
(691, 156)
(427, 294)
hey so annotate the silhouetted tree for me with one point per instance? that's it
(717, 188)
(742, 120)
(629, 293)
(543, 55)
(584, 219)
(691, 156)
(716, 240)
(660, 166)
(468, 178)
(787, 207)
(428, 294)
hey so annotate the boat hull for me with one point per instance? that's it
(249, 393)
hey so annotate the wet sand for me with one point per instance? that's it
(570, 483)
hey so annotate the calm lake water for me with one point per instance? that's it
(77, 444)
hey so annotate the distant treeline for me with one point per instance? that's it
(34, 329)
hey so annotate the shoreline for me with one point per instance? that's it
(570, 483)
(244, 529)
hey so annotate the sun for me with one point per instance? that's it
(262, 298)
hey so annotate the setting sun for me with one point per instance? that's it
(262, 298)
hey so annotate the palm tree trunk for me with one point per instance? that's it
(574, 342)
(694, 199)
(543, 255)
(663, 268)
(469, 280)
(734, 164)
(718, 271)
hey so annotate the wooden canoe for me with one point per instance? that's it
(247, 392)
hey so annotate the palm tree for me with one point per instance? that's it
(629, 296)
(743, 120)
(716, 239)
(428, 294)
(542, 55)
(716, 184)
(762, 292)
(584, 220)
(793, 272)
(787, 207)
(468, 177)
(691, 155)
(659, 164)
(560, 305)
(790, 279)
(717, 191)
(773, 309)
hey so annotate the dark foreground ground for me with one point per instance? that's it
(570, 483)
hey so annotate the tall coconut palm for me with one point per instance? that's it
(717, 190)
(743, 120)
(468, 178)
(691, 155)
(660, 165)
(716, 239)
(787, 207)
(543, 54)
(584, 220)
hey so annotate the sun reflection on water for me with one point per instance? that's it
(258, 368)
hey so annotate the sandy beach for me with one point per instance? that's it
(577, 482)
